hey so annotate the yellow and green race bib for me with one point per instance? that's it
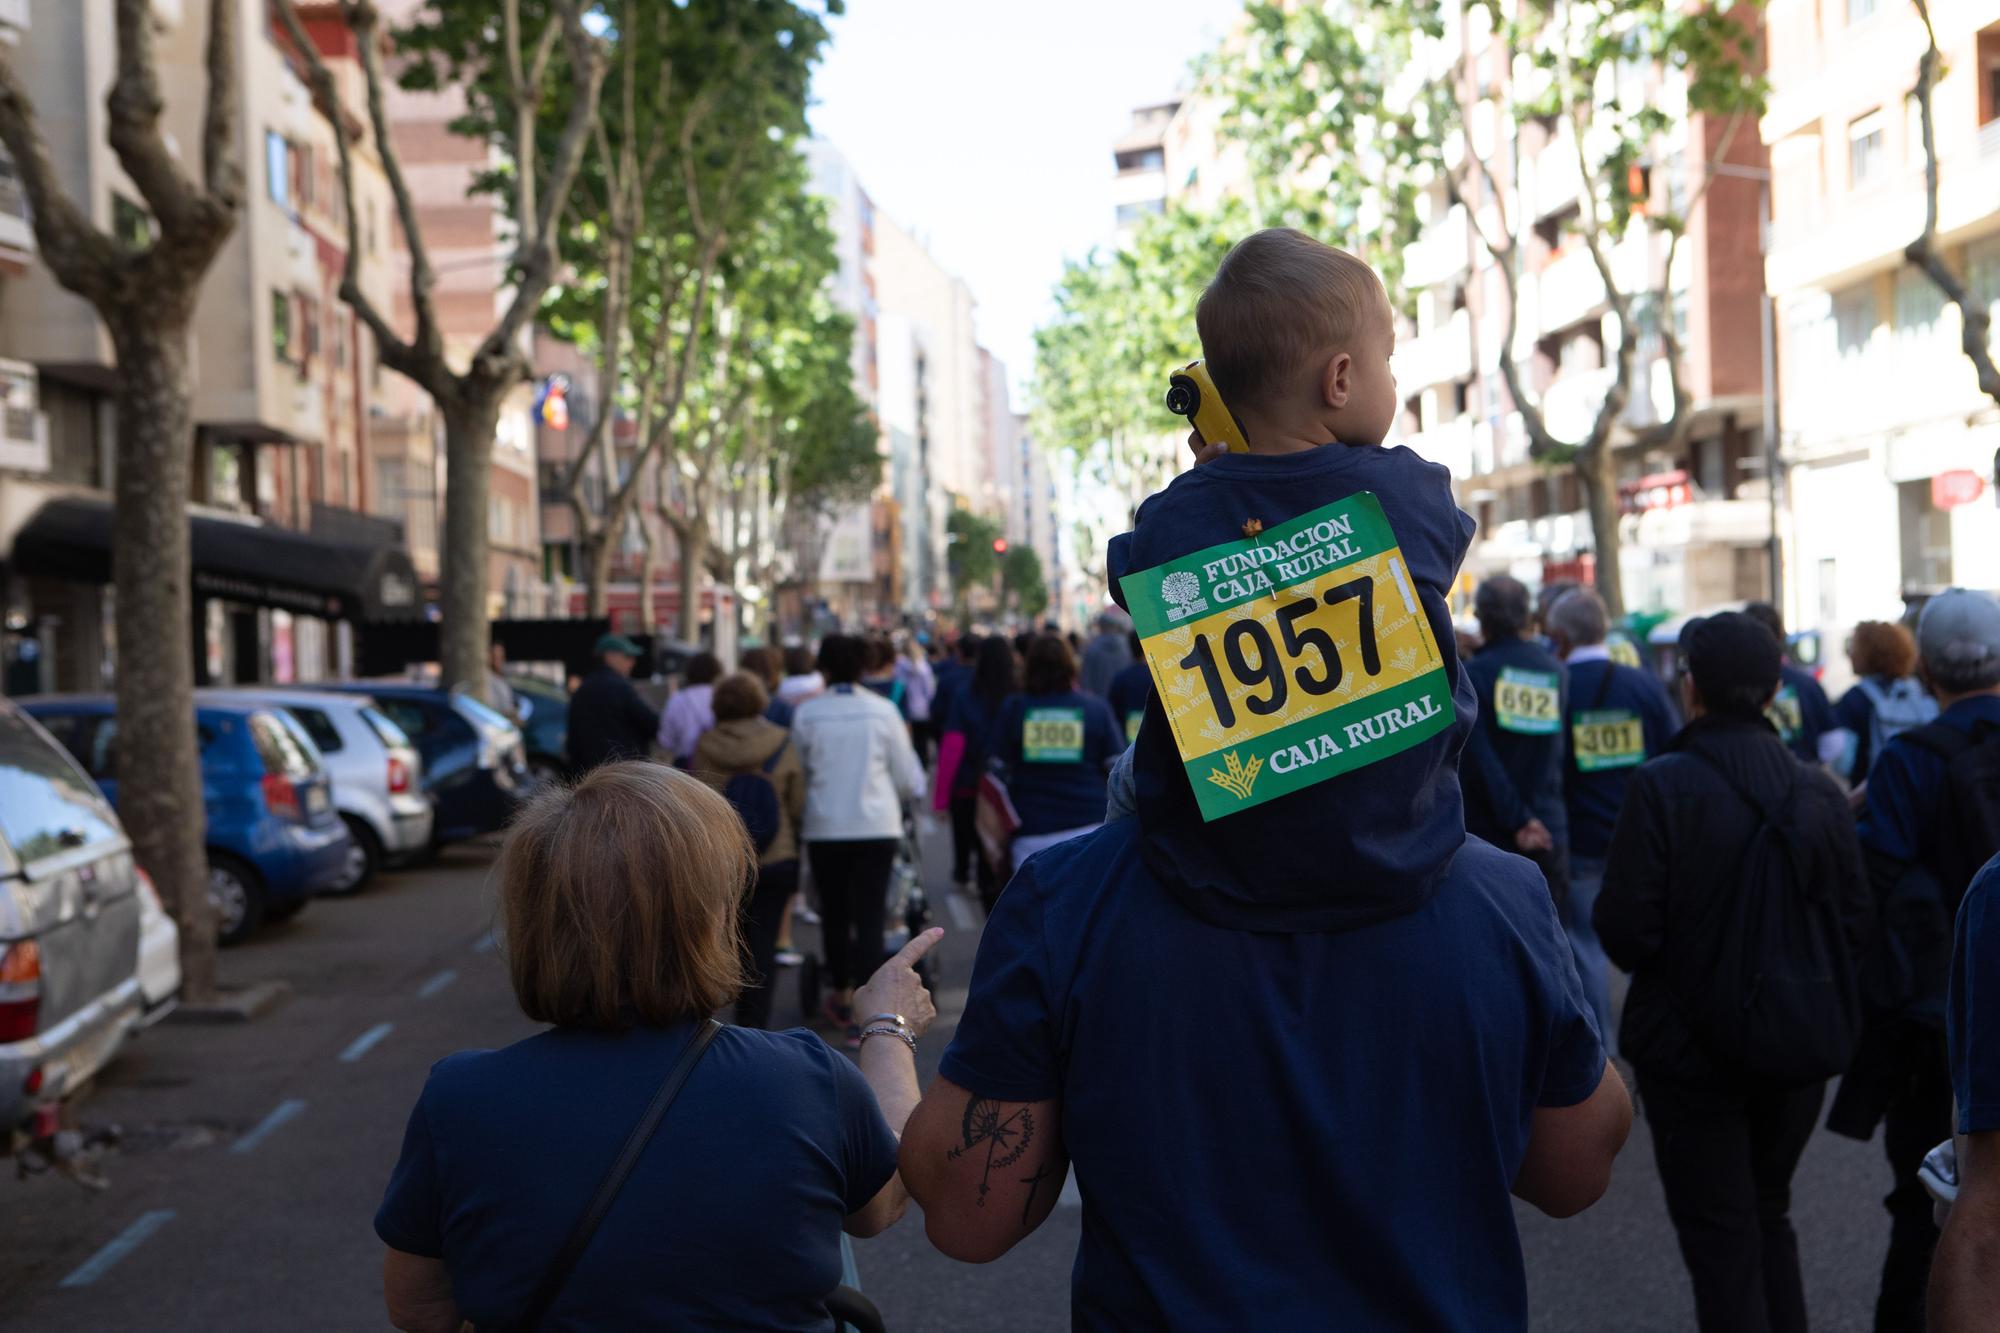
(1786, 714)
(1527, 703)
(1290, 657)
(1613, 738)
(1052, 736)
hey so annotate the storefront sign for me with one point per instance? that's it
(1960, 486)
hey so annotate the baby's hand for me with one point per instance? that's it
(1203, 452)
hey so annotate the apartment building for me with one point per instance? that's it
(284, 561)
(1891, 446)
(919, 366)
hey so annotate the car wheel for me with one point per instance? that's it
(236, 892)
(364, 856)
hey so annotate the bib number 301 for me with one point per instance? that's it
(1291, 657)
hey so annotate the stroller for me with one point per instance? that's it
(906, 914)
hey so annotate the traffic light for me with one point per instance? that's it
(999, 546)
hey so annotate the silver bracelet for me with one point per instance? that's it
(907, 1037)
(893, 1020)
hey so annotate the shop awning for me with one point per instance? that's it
(69, 537)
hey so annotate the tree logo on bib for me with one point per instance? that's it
(1183, 592)
(1239, 777)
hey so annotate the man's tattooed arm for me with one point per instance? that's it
(1004, 1138)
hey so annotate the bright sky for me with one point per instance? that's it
(986, 129)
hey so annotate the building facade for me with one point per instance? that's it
(1890, 444)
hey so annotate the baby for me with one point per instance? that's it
(1297, 337)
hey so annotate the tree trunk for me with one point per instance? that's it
(649, 569)
(1600, 494)
(601, 550)
(160, 797)
(694, 558)
(469, 424)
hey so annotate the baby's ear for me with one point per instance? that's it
(1336, 379)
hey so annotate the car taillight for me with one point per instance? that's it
(147, 888)
(399, 773)
(281, 796)
(20, 990)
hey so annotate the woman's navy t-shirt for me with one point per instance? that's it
(1057, 749)
(731, 1219)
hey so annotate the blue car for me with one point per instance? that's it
(274, 837)
(475, 765)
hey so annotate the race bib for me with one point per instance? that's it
(1052, 736)
(1611, 739)
(1291, 657)
(1527, 703)
(1786, 714)
(1132, 720)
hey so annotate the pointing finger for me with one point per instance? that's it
(918, 947)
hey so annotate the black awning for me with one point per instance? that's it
(70, 538)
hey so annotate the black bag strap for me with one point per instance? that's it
(558, 1272)
(1757, 808)
(771, 764)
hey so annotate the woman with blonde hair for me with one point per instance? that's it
(638, 1165)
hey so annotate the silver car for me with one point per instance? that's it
(70, 992)
(378, 780)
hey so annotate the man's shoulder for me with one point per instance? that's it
(1482, 877)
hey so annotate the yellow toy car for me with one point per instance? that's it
(1191, 394)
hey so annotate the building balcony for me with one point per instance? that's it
(17, 229)
(1438, 357)
(1449, 443)
(1441, 254)
(1567, 291)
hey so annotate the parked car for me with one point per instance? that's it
(159, 955)
(544, 724)
(377, 774)
(69, 930)
(475, 762)
(273, 836)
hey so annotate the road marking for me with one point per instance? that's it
(438, 983)
(128, 1240)
(486, 943)
(366, 1042)
(961, 912)
(284, 1111)
(1071, 1196)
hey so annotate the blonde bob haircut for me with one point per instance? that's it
(619, 898)
(1280, 301)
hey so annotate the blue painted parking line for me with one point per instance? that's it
(128, 1240)
(437, 983)
(366, 1042)
(285, 1110)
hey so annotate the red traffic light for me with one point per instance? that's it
(999, 546)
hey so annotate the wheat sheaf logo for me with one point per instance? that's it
(1182, 593)
(1239, 777)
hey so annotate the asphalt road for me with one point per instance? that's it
(255, 1155)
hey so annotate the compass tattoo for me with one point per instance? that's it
(1005, 1137)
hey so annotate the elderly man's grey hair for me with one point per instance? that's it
(1580, 618)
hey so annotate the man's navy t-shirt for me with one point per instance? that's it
(1514, 757)
(1057, 748)
(731, 1219)
(1127, 697)
(1972, 1020)
(1283, 1130)
(1604, 746)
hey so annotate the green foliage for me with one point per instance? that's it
(972, 558)
(1021, 575)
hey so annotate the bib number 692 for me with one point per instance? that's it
(1269, 670)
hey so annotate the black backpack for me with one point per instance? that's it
(1912, 959)
(755, 796)
(1772, 991)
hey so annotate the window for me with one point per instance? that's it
(1919, 304)
(282, 343)
(278, 168)
(318, 726)
(390, 494)
(1864, 149)
(1131, 213)
(1926, 538)
(1859, 11)
(281, 749)
(1854, 319)
(309, 329)
(46, 803)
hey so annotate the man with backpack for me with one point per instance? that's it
(1932, 820)
(1733, 892)
(1799, 710)
(752, 762)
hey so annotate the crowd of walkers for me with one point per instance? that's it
(1302, 1056)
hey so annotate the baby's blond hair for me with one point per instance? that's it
(1279, 300)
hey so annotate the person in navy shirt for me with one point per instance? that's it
(1619, 717)
(1129, 690)
(1056, 744)
(1298, 1055)
(1886, 698)
(1799, 710)
(1965, 1274)
(1514, 757)
(964, 754)
(732, 1216)
(1919, 865)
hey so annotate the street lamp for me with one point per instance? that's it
(1770, 366)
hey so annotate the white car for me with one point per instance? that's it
(159, 955)
(378, 784)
